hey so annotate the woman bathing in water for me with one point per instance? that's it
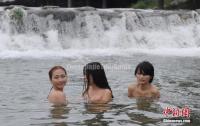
(96, 87)
(144, 73)
(58, 78)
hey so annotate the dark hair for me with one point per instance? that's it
(55, 68)
(96, 70)
(145, 68)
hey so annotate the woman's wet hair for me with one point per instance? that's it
(55, 68)
(96, 71)
(145, 68)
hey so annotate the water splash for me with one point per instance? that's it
(68, 32)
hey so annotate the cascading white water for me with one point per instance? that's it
(36, 32)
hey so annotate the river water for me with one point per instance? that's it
(32, 40)
(25, 86)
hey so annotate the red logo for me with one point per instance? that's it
(176, 112)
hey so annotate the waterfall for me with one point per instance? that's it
(28, 31)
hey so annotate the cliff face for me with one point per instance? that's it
(73, 3)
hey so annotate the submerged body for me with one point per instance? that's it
(57, 97)
(137, 90)
(98, 95)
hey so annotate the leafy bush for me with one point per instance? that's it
(145, 4)
(17, 14)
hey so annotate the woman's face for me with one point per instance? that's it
(59, 79)
(142, 78)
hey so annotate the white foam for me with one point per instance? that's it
(78, 53)
(86, 35)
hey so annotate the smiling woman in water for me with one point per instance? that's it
(144, 73)
(58, 78)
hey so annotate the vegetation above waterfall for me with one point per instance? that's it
(141, 4)
(16, 14)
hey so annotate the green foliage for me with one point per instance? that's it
(145, 4)
(185, 4)
(16, 14)
(168, 4)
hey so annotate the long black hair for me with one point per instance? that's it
(96, 71)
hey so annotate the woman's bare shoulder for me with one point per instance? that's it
(107, 96)
(131, 90)
(155, 91)
(57, 94)
(154, 88)
(107, 92)
(132, 86)
(57, 97)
